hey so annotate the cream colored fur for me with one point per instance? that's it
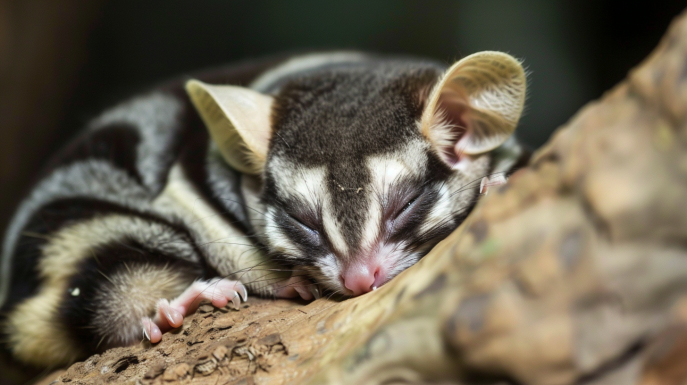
(35, 334)
(226, 247)
(238, 119)
(492, 87)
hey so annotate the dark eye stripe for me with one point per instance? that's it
(408, 205)
(303, 225)
(296, 230)
(412, 215)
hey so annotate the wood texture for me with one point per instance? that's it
(573, 273)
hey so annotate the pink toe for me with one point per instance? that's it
(304, 292)
(155, 334)
(285, 292)
(219, 301)
(151, 331)
(297, 286)
(173, 317)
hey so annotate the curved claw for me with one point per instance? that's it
(295, 287)
(244, 294)
(170, 315)
(151, 331)
(173, 317)
(236, 301)
(315, 291)
(304, 292)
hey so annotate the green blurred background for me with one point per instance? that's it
(62, 61)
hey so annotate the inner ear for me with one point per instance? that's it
(239, 122)
(449, 125)
(475, 106)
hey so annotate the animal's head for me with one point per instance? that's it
(366, 166)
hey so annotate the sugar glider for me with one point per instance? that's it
(285, 177)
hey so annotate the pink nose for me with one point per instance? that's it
(362, 278)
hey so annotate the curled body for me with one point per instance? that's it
(285, 177)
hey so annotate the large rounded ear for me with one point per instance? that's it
(238, 120)
(475, 106)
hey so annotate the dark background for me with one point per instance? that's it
(61, 61)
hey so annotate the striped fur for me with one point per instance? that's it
(134, 209)
(142, 203)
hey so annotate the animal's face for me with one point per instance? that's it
(353, 192)
(366, 166)
(354, 226)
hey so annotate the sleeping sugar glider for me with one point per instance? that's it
(286, 177)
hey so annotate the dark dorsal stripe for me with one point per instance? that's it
(24, 281)
(115, 143)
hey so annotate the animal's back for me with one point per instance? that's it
(111, 201)
(145, 206)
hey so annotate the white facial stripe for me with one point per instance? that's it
(296, 182)
(330, 271)
(278, 240)
(332, 227)
(302, 183)
(403, 262)
(310, 186)
(394, 257)
(386, 170)
(371, 227)
(441, 211)
(307, 185)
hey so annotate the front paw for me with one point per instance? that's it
(297, 286)
(170, 315)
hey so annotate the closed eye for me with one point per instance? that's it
(302, 225)
(408, 205)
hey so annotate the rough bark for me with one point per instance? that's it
(573, 273)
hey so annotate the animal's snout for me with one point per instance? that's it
(361, 278)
